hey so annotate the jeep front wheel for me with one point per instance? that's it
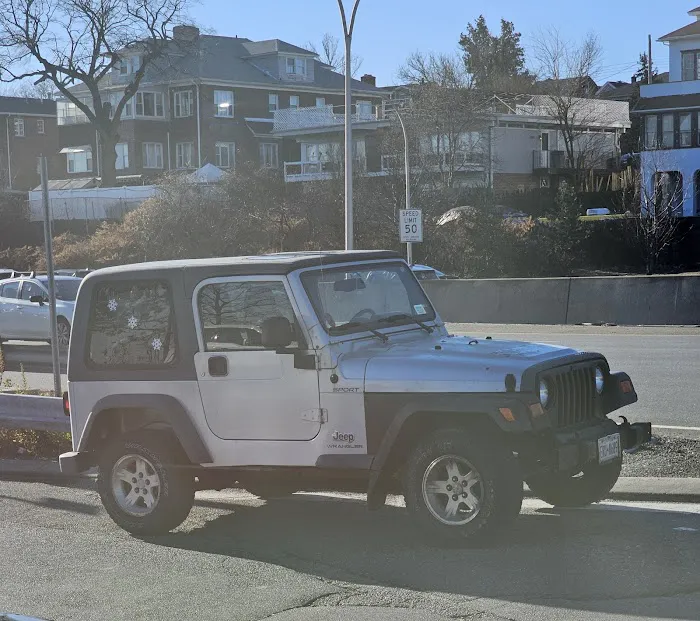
(592, 484)
(142, 484)
(460, 483)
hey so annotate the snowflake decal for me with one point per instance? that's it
(112, 305)
(132, 322)
(156, 344)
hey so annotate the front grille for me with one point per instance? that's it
(574, 395)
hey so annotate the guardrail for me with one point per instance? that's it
(31, 412)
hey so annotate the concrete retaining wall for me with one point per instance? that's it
(629, 300)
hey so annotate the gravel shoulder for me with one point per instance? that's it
(664, 456)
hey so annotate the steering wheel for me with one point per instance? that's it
(365, 311)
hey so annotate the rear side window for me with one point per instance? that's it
(132, 325)
(9, 290)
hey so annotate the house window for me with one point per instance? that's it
(223, 103)
(685, 129)
(79, 161)
(296, 67)
(152, 155)
(122, 150)
(129, 65)
(294, 101)
(40, 126)
(320, 102)
(225, 154)
(273, 102)
(127, 110)
(149, 104)
(182, 104)
(667, 131)
(19, 127)
(269, 155)
(651, 124)
(364, 110)
(183, 155)
(690, 65)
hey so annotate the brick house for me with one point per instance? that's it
(226, 100)
(27, 130)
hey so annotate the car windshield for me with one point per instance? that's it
(360, 298)
(66, 290)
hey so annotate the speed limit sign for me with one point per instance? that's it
(410, 225)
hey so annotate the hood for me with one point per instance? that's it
(447, 364)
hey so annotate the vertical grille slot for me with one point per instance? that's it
(574, 395)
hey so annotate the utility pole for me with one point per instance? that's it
(649, 70)
(347, 32)
(48, 242)
(407, 172)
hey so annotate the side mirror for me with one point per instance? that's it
(37, 299)
(276, 333)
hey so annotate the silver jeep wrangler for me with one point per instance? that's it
(318, 371)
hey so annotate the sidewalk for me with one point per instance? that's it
(667, 489)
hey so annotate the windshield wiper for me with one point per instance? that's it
(337, 330)
(401, 316)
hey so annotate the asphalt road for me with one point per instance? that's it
(315, 556)
(664, 362)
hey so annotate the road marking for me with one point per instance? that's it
(686, 529)
(675, 427)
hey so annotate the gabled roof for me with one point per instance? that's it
(275, 46)
(27, 105)
(691, 30)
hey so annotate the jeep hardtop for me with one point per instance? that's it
(326, 371)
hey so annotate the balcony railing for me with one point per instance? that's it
(293, 119)
(558, 160)
(549, 160)
(463, 160)
(318, 170)
(73, 119)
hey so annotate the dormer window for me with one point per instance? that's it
(129, 65)
(296, 67)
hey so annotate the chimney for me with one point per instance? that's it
(368, 78)
(185, 33)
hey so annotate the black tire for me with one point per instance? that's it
(176, 490)
(562, 490)
(501, 485)
(62, 324)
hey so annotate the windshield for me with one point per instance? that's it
(359, 298)
(66, 290)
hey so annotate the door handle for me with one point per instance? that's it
(218, 366)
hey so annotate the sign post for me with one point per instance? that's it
(410, 230)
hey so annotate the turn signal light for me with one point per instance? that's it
(66, 404)
(507, 414)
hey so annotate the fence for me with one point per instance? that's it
(30, 412)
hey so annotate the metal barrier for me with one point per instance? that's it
(30, 412)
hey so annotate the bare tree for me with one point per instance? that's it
(27, 89)
(566, 92)
(331, 55)
(68, 42)
(445, 117)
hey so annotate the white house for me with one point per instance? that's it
(670, 159)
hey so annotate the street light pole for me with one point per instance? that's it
(407, 171)
(347, 31)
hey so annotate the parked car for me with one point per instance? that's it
(79, 273)
(425, 272)
(300, 372)
(24, 309)
(6, 272)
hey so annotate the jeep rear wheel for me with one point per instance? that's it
(142, 484)
(459, 484)
(592, 484)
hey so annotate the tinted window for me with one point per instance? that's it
(30, 289)
(232, 313)
(10, 290)
(425, 275)
(132, 325)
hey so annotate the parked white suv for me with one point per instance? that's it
(307, 371)
(24, 309)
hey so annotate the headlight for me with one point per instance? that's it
(599, 380)
(544, 393)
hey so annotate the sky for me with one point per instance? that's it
(388, 31)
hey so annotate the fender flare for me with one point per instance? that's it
(167, 410)
(450, 404)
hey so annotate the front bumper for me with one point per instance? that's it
(577, 447)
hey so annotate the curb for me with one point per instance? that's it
(663, 489)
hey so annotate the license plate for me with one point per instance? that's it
(608, 448)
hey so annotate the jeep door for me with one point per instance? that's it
(251, 390)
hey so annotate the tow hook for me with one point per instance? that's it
(633, 435)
